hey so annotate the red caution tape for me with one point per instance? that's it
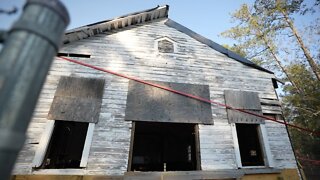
(311, 161)
(188, 95)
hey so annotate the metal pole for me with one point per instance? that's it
(25, 59)
(3, 34)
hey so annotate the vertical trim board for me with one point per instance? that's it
(43, 144)
(87, 145)
(265, 144)
(236, 145)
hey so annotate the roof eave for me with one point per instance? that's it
(214, 45)
(116, 23)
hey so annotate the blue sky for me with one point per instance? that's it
(206, 17)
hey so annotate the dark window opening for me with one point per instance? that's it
(74, 55)
(164, 147)
(165, 46)
(249, 144)
(66, 145)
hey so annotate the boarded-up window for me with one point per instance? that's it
(245, 100)
(77, 99)
(148, 103)
(165, 46)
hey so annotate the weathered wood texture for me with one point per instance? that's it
(131, 51)
(148, 103)
(245, 100)
(77, 99)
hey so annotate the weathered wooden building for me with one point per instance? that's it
(90, 124)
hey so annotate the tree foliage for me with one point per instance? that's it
(304, 110)
(279, 13)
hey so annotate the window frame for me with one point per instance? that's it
(264, 143)
(45, 140)
(156, 45)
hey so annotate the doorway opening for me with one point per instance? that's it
(164, 147)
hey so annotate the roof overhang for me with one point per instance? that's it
(115, 23)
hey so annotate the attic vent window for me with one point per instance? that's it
(165, 45)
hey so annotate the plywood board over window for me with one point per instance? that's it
(148, 103)
(77, 99)
(244, 100)
(75, 110)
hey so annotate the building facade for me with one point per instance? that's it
(91, 124)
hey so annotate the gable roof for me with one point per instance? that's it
(145, 16)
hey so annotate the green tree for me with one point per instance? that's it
(279, 13)
(304, 110)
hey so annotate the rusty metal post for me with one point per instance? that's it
(25, 58)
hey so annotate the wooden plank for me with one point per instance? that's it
(197, 144)
(245, 100)
(147, 103)
(236, 145)
(75, 109)
(186, 175)
(80, 87)
(77, 99)
(272, 108)
(87, 145)
(240, 117)
(265, 144)
(66, 177)
(43, 144)
(131, 145)
(270, 102)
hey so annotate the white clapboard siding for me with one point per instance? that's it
(131, 52)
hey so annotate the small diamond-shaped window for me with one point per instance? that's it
(165, 46)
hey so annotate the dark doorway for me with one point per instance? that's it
(249, 144)
(66, 145)
(165, 147)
